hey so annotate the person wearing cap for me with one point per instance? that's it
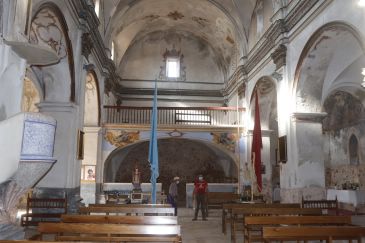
(172, 197)
(200, 191)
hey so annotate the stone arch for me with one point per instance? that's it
(177, 156)
(92, 100)
(49, 27)
(324, 51)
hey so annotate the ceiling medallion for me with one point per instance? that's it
(175, 15)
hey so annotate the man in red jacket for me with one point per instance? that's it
(200, 191)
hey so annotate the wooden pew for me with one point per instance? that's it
(111, 232)
(330, 205)
(116, 219)
(267, 212)
(130, 205)
(217, 199)
(253, 224)
(327, 233)
(43, 209)
(129, 210)
(227, 210)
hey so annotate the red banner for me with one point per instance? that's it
(257, 144)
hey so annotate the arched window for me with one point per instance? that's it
(172, 68)
(97, 7)
(354, 150)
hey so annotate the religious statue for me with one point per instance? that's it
(136, 179)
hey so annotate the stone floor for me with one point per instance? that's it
(199, 231)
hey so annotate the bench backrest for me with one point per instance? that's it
(294, 220)
(222, 196)
(277, 211)
(46, 203)
(116, 229)
(313, 232)
(91, 205)
(324, 204)
(128, 210)
(260, 205)
(116, 219)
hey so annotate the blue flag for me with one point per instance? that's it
(153, 151)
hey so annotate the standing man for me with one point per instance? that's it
(172, 197)
(200, 191)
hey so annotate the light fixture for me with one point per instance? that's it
(363, 80)
(361, 3)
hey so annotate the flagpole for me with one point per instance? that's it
(153, 149)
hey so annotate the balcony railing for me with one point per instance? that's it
(199, 116)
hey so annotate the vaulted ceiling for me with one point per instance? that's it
(222, 25)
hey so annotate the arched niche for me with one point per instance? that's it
(181, 157)
(332, 57)
(92, 100)
(48, 27)
(31, 96)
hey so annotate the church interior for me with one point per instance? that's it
(263, 98)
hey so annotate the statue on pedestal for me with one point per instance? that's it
(136, 180)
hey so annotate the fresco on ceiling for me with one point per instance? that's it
(121, 138)
(226, 140)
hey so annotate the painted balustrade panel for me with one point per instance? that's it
(199, 116)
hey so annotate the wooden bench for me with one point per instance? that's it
(305, 233)
(267, 212)
(111, 232)
(43, 209)
(131, 205)
(217, 199)
(227, 210)
(253, 224)
(167, 211)
(330, 205)
(116, 219)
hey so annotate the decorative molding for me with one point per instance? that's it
(86, 45)
(239, 74)
(308, 117)
(270, 39)
(242, 90)
(279, 56)
(278, 76)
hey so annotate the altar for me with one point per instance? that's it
(123, 190)
(353, 197)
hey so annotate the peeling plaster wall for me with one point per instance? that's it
(144, 58)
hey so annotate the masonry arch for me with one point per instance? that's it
(183, 157)
(49, 27)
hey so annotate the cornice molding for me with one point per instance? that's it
(87, 18)
(308, 117)
(272, 42)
